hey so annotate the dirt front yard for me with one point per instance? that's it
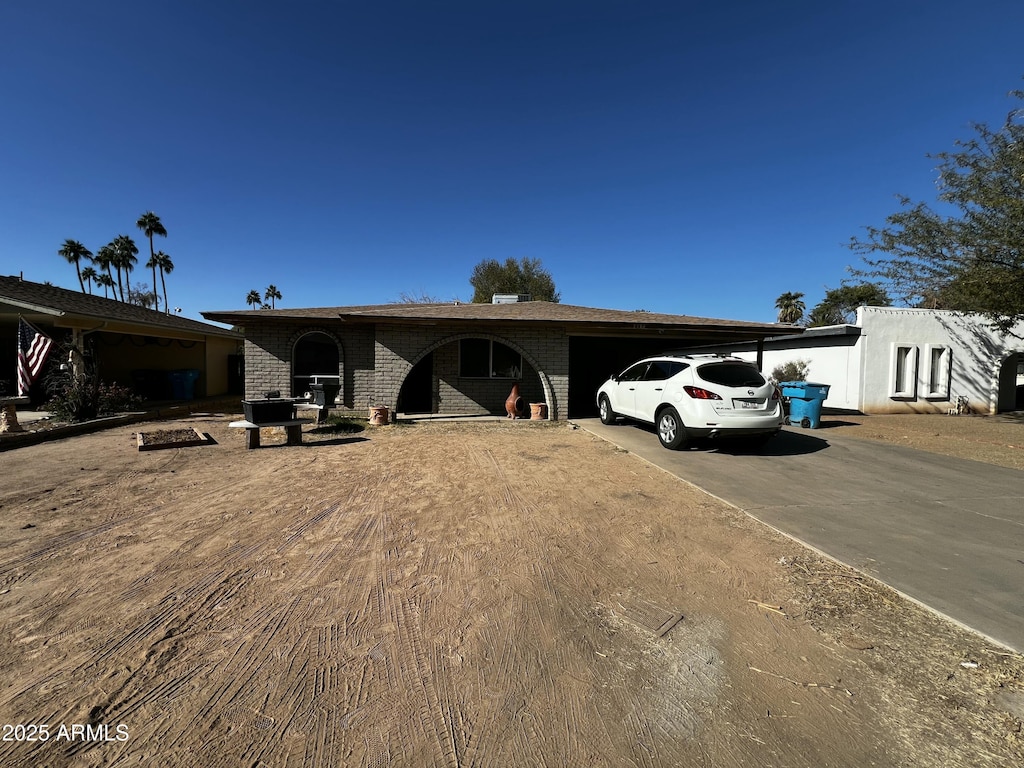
(483, 594)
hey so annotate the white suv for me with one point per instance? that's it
(694, 396)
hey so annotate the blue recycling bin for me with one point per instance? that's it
(805, 400)
(183, 383)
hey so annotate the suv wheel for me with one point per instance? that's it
(605, 407)
(671, 431)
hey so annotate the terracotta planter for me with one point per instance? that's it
(378, 415)
(514, 403)
(538, 411)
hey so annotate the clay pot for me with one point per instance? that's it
(378, 415)
(514, 403)
(538, 411)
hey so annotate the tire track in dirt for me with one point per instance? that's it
(567, 573)
(268, 640)
(56, 546)
(346, 683)
(506, 730)
(188, 607)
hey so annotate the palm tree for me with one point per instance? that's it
(254, 299)
(89, 275)
(103, 259)
(113, 259)
(150, 225)
(166, 266)
(106, 281)
(74, 251)
(272, 293)
(125, 251)
(791, 307)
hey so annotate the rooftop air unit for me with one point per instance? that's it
(510, 298)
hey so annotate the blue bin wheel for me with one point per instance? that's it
(805, 423)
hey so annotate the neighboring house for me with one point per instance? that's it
(130, 345)
(463, 358)
(897, 360)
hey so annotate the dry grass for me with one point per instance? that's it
(995, 440)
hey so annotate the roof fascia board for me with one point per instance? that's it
(677, 331)
(89, 323)
(31, 307)
(569, 326)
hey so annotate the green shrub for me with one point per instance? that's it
(80, 399)
(71, 398)
(795, 370)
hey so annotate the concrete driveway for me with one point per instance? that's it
(947, 532)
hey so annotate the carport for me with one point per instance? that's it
(596, 353)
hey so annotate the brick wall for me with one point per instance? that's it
(268, 359)
(545, 357)
(456, 394)
(374, 363)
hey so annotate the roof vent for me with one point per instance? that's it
(510, 298)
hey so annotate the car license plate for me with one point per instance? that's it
(746, 404)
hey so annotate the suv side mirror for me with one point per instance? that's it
(614, 377)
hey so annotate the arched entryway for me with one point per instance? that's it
(419, 390)
(316, 354)
(473, 373)
(1011, 383)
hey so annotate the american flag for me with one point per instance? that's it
(33, 347)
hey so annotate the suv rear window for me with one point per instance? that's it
(731, 374)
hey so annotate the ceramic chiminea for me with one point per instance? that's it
(514, 403)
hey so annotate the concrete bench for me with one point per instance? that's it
(293, 429)
(321, 412)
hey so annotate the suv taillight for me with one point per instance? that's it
(701, 394)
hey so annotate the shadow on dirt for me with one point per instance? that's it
(307, 443)
(334, 441)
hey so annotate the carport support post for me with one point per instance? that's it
(77, 361)
(760, 354)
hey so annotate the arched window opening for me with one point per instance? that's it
(316, 359)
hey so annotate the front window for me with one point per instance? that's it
(316, 355)
(903, 370)
(486, 359)
(937, 376)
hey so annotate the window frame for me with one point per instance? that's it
(300, 381)
(938, 390)
(517, 370)
(905, 371)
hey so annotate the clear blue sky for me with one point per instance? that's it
(683, 157)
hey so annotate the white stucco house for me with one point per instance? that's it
(896, 360)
